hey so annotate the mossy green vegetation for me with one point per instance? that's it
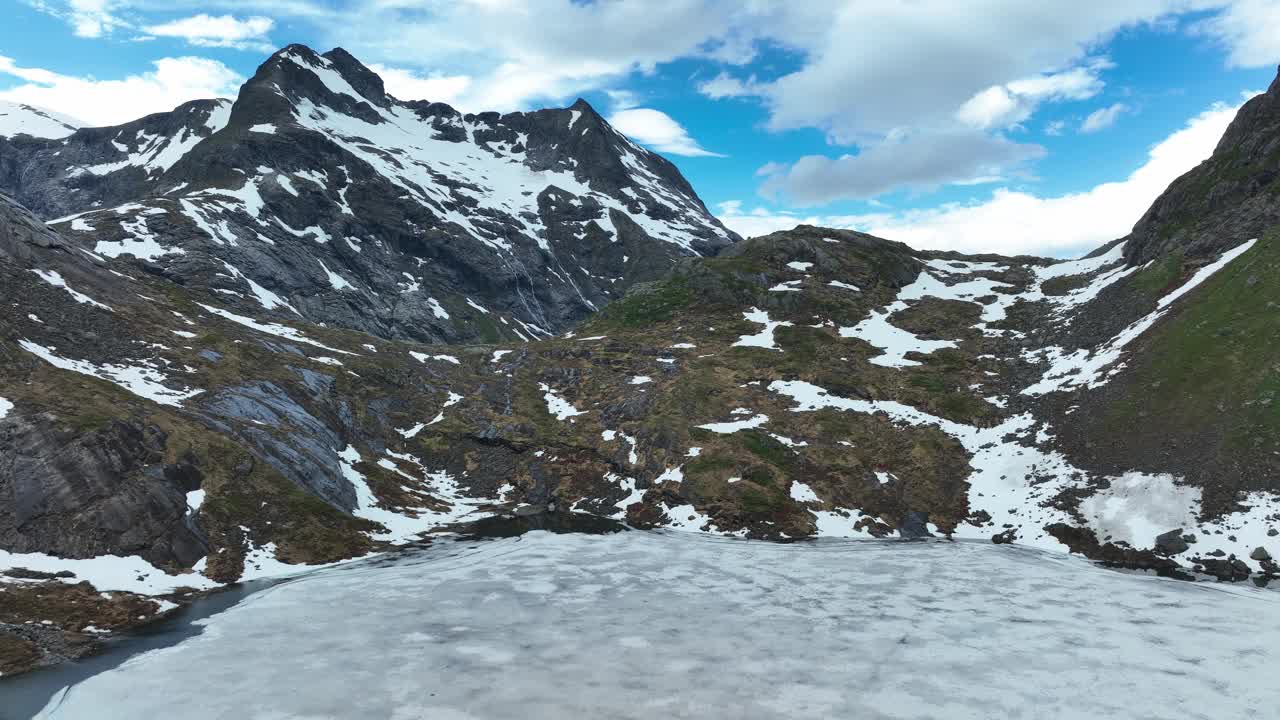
(1210, 373)
(644, 306)
(1162, 276)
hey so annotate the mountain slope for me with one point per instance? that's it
(318, 195)
(1231, 195)
(814, 382)
(18, 119)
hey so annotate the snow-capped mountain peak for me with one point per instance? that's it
(318, 194)
(19, 119)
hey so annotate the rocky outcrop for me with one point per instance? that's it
(1231, 196)
(75, 492)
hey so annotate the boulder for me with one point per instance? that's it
(1171, 543)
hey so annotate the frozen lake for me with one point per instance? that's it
(649, 625)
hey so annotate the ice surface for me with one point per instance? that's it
(5, 407)
(642, 625)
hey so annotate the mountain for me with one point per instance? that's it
(19, 119)
(164, 428)
(317, 195)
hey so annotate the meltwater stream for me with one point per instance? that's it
(643, 625)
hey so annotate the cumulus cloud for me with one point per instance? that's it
(1013, 222)
(920, 162)
(111, 102)
(879, 67)
(1249, 30)
(1103, 118)
(659, 131)
(218, 31)
(524, 52)
(1003, 106)
(92, 18)
(725, 85)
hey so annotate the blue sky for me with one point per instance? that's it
(990, 125)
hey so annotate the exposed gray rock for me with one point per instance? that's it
(1172, 542)
(915, 525)
(112, 482)
(287, 437)
(1226, 199)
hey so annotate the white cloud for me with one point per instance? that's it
(1055, 127)
(1250, 31)
(1103, 118)
(623, 99)
(725, 85)
(1013, 222)
(218, 31)
(659, 131)
(92, 18)
(1003, 106)
(920, 162)
(435, 87)
(871, 69)
(111, 102)
(759, 221)
(524, 52)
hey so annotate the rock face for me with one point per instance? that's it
(318, 195)
(56, 175)
(103, 492)
(1231, 195)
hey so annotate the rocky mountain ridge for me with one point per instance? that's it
(162, 434)
(318, 195)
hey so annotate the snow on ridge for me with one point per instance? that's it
(267, 299)
(1088, 367)
(403, 527)
(283, 331)
(423, 357)
(20, 119)
(145, 382)
(5, 407)
(404, 149)
(157, 153)
(54, 278)
(1206, 272)
(141, 243)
